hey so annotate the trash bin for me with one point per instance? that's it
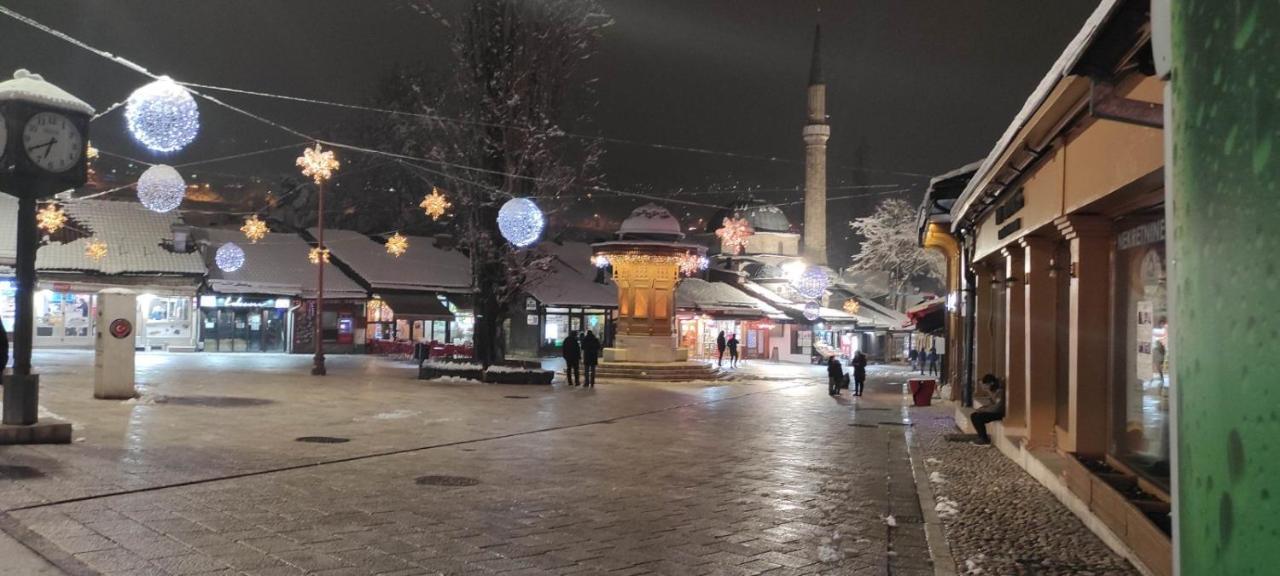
(921, 390)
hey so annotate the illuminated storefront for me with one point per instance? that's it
(244, 323)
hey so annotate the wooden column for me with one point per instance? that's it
(1089, 329)
(1015, 339)
(1040, 336)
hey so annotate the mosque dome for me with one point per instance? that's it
(651, 221)
(762, 217)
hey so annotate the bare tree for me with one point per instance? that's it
(890, 245)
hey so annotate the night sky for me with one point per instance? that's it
(915, 87)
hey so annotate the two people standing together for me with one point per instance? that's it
(731, 344)
(584, 351)
(836, 376)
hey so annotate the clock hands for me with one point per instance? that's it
(48, 146)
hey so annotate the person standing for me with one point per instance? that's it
(912, 356)
(572, 352)
(720, 346)
(733, 350)
(835, 375)
(933, 361)
(590, 357)
(859, 372)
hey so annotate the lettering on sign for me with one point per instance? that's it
(1008, 229)
(1010, 207)
(1149, 233)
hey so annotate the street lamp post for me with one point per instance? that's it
(319, 165)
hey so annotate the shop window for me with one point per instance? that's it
(1141, 379)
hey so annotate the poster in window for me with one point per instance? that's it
(1144, 322)
(805, 339)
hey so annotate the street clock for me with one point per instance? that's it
(43, 137)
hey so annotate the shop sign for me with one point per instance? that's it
(1008, 229)
(1010, 207)
(121, 328)
(61, 287)
(1149, 233)
(208, 301)
(531, 319)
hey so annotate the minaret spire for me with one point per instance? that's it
(816, 133)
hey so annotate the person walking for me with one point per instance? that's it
(859, 372)
(572, 352)
(733, 350)
(720, 346)
(835, 375)
(590, 357)
(933, 361)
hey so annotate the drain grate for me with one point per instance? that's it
(322, 439)
(517, 397)
(16, 472)
(445, 481)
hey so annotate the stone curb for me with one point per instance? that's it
(935, 532)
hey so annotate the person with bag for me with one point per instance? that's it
(590, 357)
(859, 372)
(572, 352)
(835, 375)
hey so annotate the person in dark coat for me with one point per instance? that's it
(733, 350)
(590, 357)
(989, 413)
(572, 352)
(835, 375)
(933, 361)
(859, 372)
(720, 346)
(913, 356)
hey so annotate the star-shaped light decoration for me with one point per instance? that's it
(316, 254)
(397, 244)
(852, 307)
(51, 218)
(91, 153)
(318, 164)
(435, 204)
(691, 264)
(96, 250)
(254, 229)
(734, 233)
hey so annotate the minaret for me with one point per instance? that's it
(816, 133)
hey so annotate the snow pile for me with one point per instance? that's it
(829, 550)
(514, 370)
(937, 478)
(932, 461)
(973, 564)
(451, 365)
(144, 400)
(946, 508)
(890, 521)
(394, 415)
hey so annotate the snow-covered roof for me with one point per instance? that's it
(28, 87)
(570, 285)
(133, 236)
(651, 220)
(720, 298)
(1066, 61)
(423, 267)
(276, 265)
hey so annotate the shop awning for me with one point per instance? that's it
(424, 306)
(928, 317)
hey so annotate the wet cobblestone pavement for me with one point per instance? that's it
(748, 477)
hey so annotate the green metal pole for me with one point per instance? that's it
(1225, 218)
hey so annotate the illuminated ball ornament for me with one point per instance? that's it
(812, 283)
(163, 116)
(161, 188)
(811, 311)
(229, 257)
(520, 221)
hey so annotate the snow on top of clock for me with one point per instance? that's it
(28, 87)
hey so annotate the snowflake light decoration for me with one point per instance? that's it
(520, 221)
(435, 204)
(96, 250)
(812, 283)
(51, 218)
(91, 153)
(691, 264)
(811, 311)
(162, 115)
(397, 245)
(229, 257)
(161, 188)
(318, 254)
(254, 229)
(852, 307)
(318, 164)
(734, 233)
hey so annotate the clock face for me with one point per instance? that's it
(52, 142)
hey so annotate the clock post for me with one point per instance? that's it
(43, 139)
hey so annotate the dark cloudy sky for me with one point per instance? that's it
(914, 86)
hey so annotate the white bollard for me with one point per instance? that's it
(113, 363)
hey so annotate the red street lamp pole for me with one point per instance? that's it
(319, 165)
